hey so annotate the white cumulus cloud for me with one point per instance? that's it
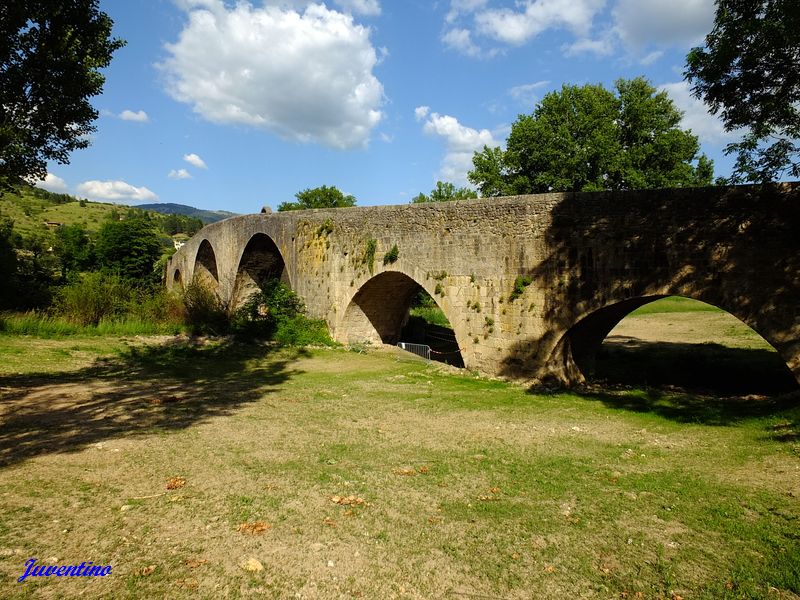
(536, 16)
(460, 40)
(139, 116)
(179, 174)
(677, 22)
(115, 191)
(305, 76)
(51, 183)
(195, 161)
(461, 143)
(707, 127)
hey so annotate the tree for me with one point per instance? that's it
(749, 73)
(8, 262)
(319, 197)
(129, 248)
(50, 55)
(444, 192)
(73, 249)
(589, 138)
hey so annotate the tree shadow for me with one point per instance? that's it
(682, 407)
(706, 369)
(605, 254)
(143, 391)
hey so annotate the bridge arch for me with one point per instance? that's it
(205, 266)
(259, 261)
(573, 357)
(379, 310)
(177, 278)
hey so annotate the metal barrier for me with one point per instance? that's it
(418, 349)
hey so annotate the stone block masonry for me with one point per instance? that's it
(531, 284)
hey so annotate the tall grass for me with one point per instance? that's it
(50, 327)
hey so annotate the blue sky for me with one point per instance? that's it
(232, 106)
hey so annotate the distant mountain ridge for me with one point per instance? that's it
(170, 208)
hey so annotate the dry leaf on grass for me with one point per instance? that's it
(190, 583)
(410, 471)
(193, 563)
(405, 471)
(146, 570)
(254, 528)
(490, 497)
(349, 501)
(175, 482)
(549, 569)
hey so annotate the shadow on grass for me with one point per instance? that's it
(145, 390)
(707, 369)
(707, 384)
(684, 407)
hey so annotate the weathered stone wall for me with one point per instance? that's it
(590, 258)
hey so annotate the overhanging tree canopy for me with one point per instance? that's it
(749, 73)
(51, 53)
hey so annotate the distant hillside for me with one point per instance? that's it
(206, 216)
(31, 209)
(35, 211)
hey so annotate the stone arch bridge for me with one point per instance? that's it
(530, 284)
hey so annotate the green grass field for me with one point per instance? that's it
(222, 470)
(675, 304)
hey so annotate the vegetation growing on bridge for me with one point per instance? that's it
(391, 256)
(520, 283)
(368, 258)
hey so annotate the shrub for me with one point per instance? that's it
(93, 297)
(391, 256)
(205, 314)
(274, 303)
(520, 283)
(302, 331)
(161, 306)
